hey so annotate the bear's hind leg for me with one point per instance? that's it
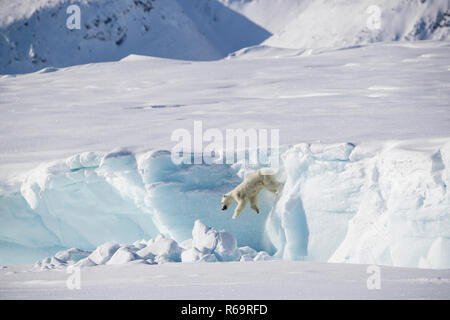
(254, 203)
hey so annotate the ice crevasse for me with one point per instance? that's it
(381, 203)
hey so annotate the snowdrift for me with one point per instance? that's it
(384, 203)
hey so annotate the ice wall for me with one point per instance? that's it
(403, 218)
(384, 203)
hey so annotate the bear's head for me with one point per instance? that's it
(227, 200)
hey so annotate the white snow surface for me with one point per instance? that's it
(252, 280)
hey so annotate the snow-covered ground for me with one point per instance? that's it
(364, 133)
(225, 280)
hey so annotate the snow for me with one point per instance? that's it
(122, 255)
(325, 23)
(207, 240)
(99, 107)
(72, 254)
(103, 252)
(162, 246)
(261, 280)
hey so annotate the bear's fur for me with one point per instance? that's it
(249, 189)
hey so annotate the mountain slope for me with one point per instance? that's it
(32, 37)
(343, 23)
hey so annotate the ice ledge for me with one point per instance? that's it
(382, 202)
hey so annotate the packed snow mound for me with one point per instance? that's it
(34, 35)
(382, 203)
(206, 245)
(345, 23)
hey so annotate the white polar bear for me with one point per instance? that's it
(249, 189)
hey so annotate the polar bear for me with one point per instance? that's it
(249, 189)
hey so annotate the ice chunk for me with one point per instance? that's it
(262, 256)
(122, 255)
(204, 238)
(72, 254)
(208, 258)
(104, 252)
(190, 255)
(86, 262)
(207, 240)
(146, 253)
(246, 257)
(247, 250)
(84, 160)
(140, 243)
(162, 259)
(195, 255)
(438, 256)
(186, 244)
(226, 248)
(50, 263)
(163, 247)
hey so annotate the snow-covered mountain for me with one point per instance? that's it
(346, 23)
(34, 35)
